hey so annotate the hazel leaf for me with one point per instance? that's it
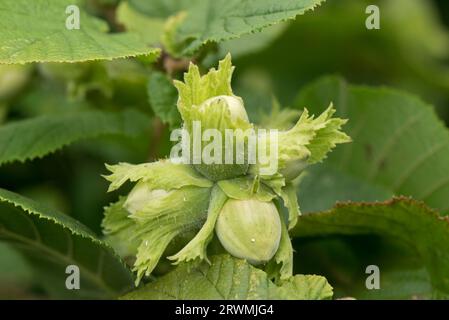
(36, 31)
(400, 147)
(228, 278)
(52, 240)
(408, 221)
(218, 20)
(162, 96)
(36, 137)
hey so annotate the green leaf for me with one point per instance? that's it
(36, 32)
(219, 20)
(229, 278)
(156, 20)
(51, 241)
(151, 18)
(343, 260)
(305, 287)
(399, 145)
(149, 28)
(163, 97)
(252, 43)
(161, 8)
(36, 137)
(416, 65)
(403, 219)
(14, 269)
(323, 184)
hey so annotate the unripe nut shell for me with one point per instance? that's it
(249, 229)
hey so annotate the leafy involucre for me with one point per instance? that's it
(229, 278)
(167, 201)
(52, 241)
(162, 219)
(159, 175)
(35, 31)
(404, 219)
(308, 141)
(399, 146)
(196, 248)
(219, 20)
(196, 88)
(290, 200)
(36, 137)
(311, 138)
(119, 229)
(282, 264)
(327, 135)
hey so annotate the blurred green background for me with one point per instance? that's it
(409, 52)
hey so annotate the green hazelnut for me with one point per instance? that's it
(249, 229)
(223, 171)
(235, 106)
